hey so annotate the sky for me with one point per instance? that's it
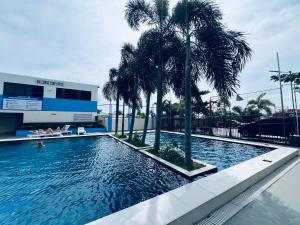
(80, 40)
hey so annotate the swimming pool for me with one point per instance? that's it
(75, 181)
(218, 153)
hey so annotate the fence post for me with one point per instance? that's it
(109, 125)
(259, 126)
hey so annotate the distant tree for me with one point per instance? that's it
(140, 115)
(291, 78)
(238, 110)
(260, 105)
(111, 91)
(198, 105)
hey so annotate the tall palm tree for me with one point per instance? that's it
(146, 61)
(260, 104)
(129, 65)
(111, 92)
(155, 15)
(211, 50)
(125, 89)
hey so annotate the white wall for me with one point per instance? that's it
(120, 123)
(57, 117)
(138, 124)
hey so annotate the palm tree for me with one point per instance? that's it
(238, 111)
(260, 104)
(198, 105)
(125, 89)
(156, 16)
(111, 92)
(211, 50)
(129, 68)
(292, 78)
(146, 61)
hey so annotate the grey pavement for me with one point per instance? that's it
(278, 205)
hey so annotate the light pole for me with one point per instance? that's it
(296, 105)
(291, 82)
(281, 95)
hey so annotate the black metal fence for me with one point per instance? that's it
(255, 127)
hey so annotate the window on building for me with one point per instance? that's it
(23, 90)
(73, 94)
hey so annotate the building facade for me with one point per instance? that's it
(32, 100)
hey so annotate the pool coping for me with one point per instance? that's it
(208, 169)
(20, 139)
(195, 201)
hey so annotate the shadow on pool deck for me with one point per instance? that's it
(278, 205)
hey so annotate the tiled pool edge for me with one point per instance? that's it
(193, 202)
(20, 139)
(208, 169)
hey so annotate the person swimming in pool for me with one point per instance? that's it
(40, 144)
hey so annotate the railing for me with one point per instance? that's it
(254, 127)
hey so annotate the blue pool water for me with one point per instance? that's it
(218, 153)
(75, 181)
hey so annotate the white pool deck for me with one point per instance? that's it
(214, 195)
(278, 204)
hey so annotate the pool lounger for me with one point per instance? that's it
(65, 130)
(81, 130)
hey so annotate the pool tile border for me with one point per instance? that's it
(20, 139)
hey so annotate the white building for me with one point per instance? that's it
(31, 100)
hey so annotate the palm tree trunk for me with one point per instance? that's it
(188, 102)
(123, 118)
(158, 104)
(146, 118)
(134, 104)
(117, 112)
(159, 88)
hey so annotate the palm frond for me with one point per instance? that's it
(109, 91)
(138, 12)
(161, 9)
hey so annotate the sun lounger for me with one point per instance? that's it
(65, 130)
(81, 130)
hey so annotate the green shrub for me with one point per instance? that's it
(175, 155)
(172, 153)
(136, 140)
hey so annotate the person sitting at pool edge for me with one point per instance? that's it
(58, 129)
(49, 131)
